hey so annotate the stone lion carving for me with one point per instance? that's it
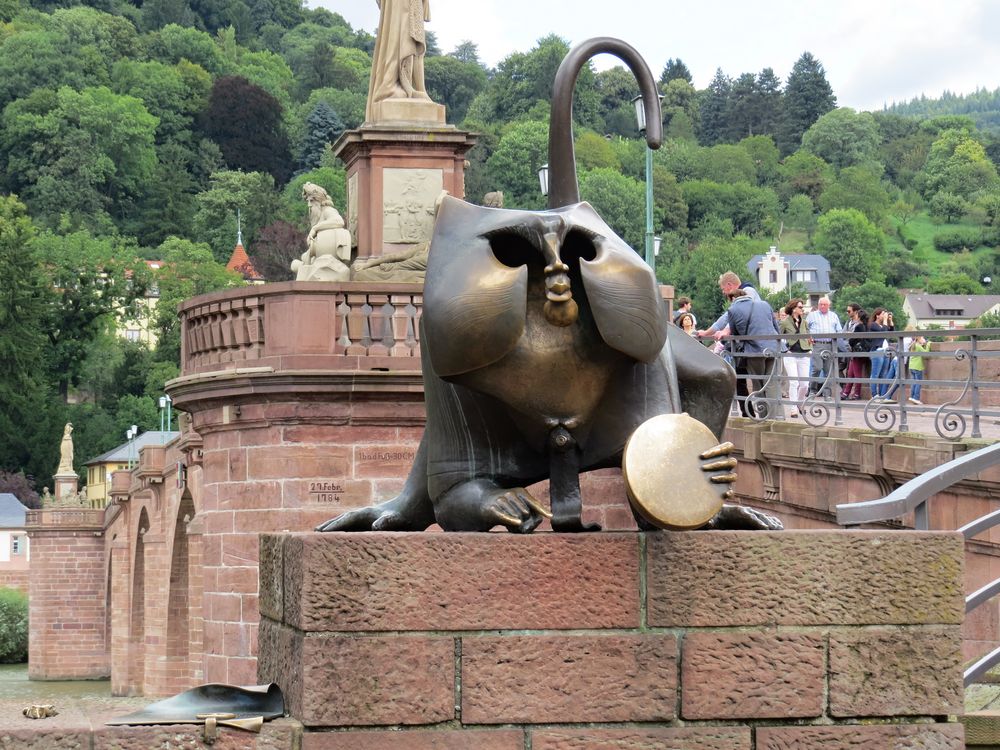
(328, 244)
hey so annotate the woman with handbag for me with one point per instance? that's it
(858, 366)
(795, 360)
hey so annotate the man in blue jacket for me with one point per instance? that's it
(753, 317)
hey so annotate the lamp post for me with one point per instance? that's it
(130, 433)
(640, 119)
(165, 403)
(543, 179)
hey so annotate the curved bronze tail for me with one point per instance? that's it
(563, 187)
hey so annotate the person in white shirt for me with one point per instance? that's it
(822, 323)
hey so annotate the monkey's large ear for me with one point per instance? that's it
(474, 305)
(624, 296)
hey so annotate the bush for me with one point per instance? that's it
(948, 207)
(956, 240)
(13, 626)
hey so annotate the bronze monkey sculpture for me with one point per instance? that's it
(545, 343)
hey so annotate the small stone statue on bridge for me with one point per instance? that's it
(328, 243)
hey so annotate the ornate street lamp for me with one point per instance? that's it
(130, 433)
(543, 178)
(640, 119)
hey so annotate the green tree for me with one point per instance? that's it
(522, 80)
(726, 163)
(804, 173)
(957, 163)
(467, 52)
(714, 110)
(595, 152)
(621, 202)
(675, 70)
(808, 96)
(697, 269)
(770, 102)
(852, 244)
(188, 270)
(174, 43)
(454, 84)
(96, 281)
(948, 207)
(800, 213)
(513, 166)
(749, 210)
(857, 187)
(617, 88)
(681, 114)
(250, 193)
(77, 154)
(953, 283)
(246, 123)
(765, 158)
(844, 138)
(24, 297)
(669, 200)
(323, 127)
(871, 294)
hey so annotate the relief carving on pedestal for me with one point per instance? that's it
(408, 198)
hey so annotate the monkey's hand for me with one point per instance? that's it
(719, 463)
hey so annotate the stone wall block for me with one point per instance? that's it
(400, 581)
(746, 675)
(849, 737)
(687, 738)
(896, 672)
(271, 572)
(377, 681)
(417, 739)
(543, 679)
(804, 578)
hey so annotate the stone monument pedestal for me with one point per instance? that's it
(395, 173)
(692, 640)
(67, 483)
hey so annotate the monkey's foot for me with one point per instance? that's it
(402, 513)
(479, 506)
(742, 518)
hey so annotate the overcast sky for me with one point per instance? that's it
(875, 52)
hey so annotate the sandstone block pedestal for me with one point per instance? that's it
(394, 176)
(707, 640)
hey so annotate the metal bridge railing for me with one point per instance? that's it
(961, 375)
(913, 497)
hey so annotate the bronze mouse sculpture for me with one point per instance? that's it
(545, 343)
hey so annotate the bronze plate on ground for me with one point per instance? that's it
(663, 476)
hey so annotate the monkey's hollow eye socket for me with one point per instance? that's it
(578, 245)
(514, 250)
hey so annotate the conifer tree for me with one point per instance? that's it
(323, 127)
(807, 96)
(715, 110)
(674, 69)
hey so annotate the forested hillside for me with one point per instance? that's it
(140, 132)
(983, 106)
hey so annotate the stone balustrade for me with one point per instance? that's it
(303, 325)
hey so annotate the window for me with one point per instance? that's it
(803, 276)
(772, 277)
(132, 334)
(943, 313)
(17, 545)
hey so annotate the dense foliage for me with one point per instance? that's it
(134, 133)
(13, 626)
